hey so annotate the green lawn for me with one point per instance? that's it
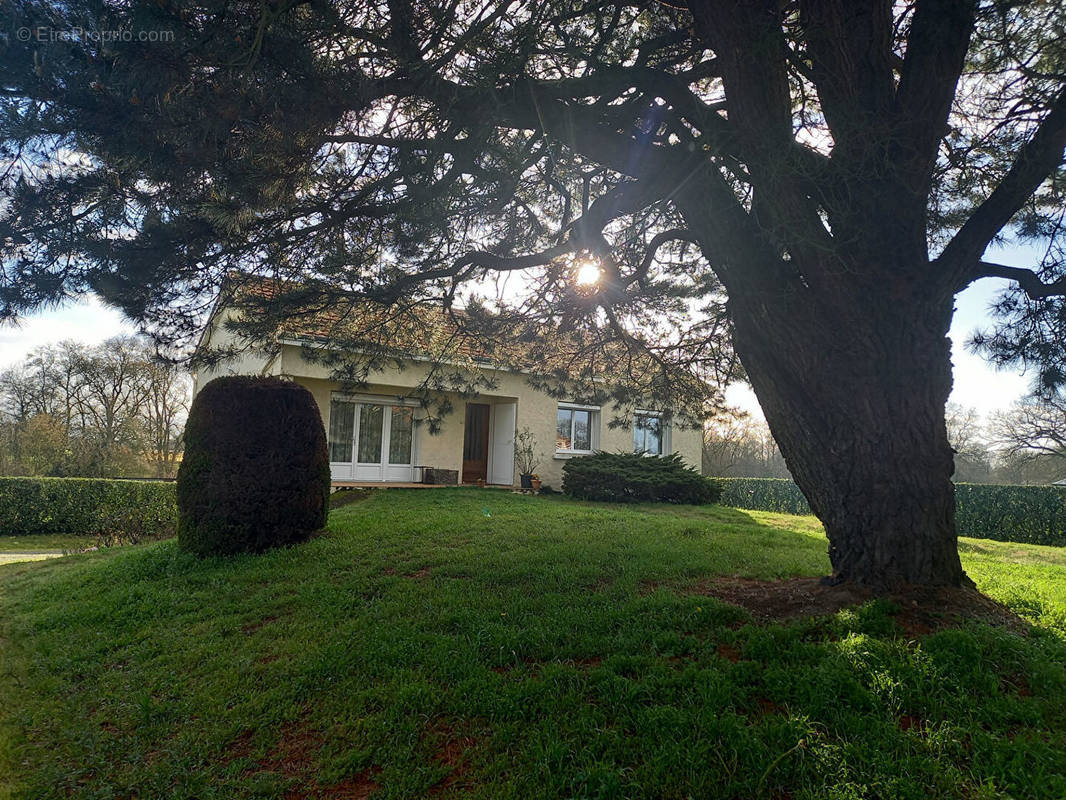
(472, 643)
(45, 542)
(37, 547)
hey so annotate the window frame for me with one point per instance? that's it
(387, 444)
(664, 433)
(388, 403)
(349, 441)
(381, 430)
(594, 428)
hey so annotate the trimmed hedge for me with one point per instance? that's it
(86, 506)
(1026, 514)
(255, 473)
(764, 494)
(630, 478)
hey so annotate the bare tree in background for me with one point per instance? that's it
(741, 447)
(1034, 430)
(163, 408)
(968, 438)
(110, 392)
(72, 409)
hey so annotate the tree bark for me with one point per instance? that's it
(854, 392)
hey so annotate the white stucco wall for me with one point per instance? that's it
(250, 361)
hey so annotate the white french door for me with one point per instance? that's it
(371, 439)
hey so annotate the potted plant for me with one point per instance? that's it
(534, 481)
(525, 456)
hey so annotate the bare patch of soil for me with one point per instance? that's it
(293, 757)
(600, 584)
(586, 663)
(911, 723)
(251, 627)
(1016, 683)
(728, 652)
(922, 610)
(240, 747)
(358, 787)
(786, 599)
(768, 706)
(294, 753)
(451, 747)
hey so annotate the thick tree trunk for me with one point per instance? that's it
(854, 391)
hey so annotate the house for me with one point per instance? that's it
(376, 434)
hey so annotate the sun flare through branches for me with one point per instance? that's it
(587, 273)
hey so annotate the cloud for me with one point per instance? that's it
(88, 321)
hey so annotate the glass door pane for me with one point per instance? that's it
(341, 427)
(400, 435)
(371, 420)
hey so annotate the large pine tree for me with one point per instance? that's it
(836, 169)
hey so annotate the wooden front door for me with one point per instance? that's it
(476, 443)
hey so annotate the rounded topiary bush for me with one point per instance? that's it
(255, 473)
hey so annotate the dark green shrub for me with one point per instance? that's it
(1028, 514)
(87, 506)
(630, 478)
(255, 473)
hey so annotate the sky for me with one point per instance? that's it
(977, 385)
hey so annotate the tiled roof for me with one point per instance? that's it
(415, 330)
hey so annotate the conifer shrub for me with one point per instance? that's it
(632, 478)
(255, 473)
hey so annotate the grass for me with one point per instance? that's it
(44, 542)
(24, 548)
(466, 643)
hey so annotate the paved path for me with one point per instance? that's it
(15, 558)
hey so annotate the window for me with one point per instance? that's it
(648, 434)
(341, 429)
(371, 431)
(401, 435)
(370, 421)
(576, 429)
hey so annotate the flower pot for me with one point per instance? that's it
(526, 481)
(535, 483)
